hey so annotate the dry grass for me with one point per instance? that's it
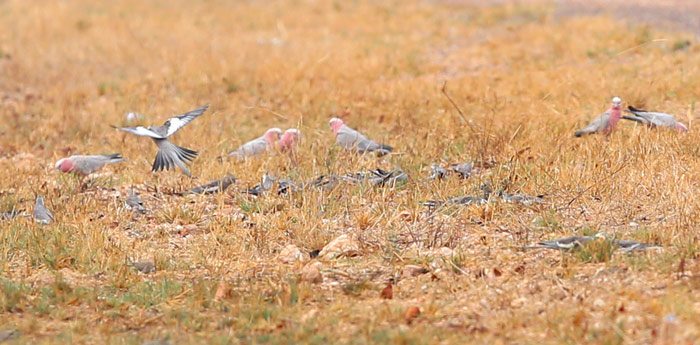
(524, 83)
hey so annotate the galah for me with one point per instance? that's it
(654, 119)
(169, 155)
(605, 122)
(256, 146)
(351, 139)
(216, 186)
(289, 140)
(41, 214)
(134, 202)
(86, 165)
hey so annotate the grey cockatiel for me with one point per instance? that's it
(605, 123)
(86, 165)
(41, 214)
(216, 186)
(257, 146)
(356, 141)
(169, 155)
(568, 243)
(134, 202)
(654, 119)
(437, 172)
(629, 246)
(575, 242)
(464, 200)
(268, 183)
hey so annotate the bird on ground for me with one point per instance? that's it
(256, 146)
(568, 243)
(134, 202)
(289, 140)
(437, 172)
(268, 183)
(41, 213)
(605, 123)
(216, 186)
(86, 165)
(576, 242)
(655, 120)
(169, 155)
(464, 170)
(353, 140)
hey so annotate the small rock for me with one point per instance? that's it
(8, 335)
(341, 246)
(145, 266)
(161, 341)
(518, 302)
(444, 251)
(222, 291)
(189, 229)
(309, 315)
(291, 254)
(413, 270)
(411, 314)
(312, 273)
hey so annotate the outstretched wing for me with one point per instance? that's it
(175, 123)
(141, 131)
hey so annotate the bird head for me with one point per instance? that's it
(64, 165)
(336, 124)
(616, 103)
(272, 134)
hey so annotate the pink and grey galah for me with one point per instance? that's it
(605, 123)
(86, 165)
(257, 146)
(655, 120)
(355, 141)
(289, 140)
(169, 155)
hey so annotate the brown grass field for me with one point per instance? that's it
(522, 80)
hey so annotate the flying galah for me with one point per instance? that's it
(86, 165)
(169, 155)
(356, 141)
(653, 119)
(256, 146)
(606, 121)
(41, 214)
(289, 140)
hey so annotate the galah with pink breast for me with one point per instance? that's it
(605, 123)
(289, 140)
(257, 146)
(353, 140)
(87, 164)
